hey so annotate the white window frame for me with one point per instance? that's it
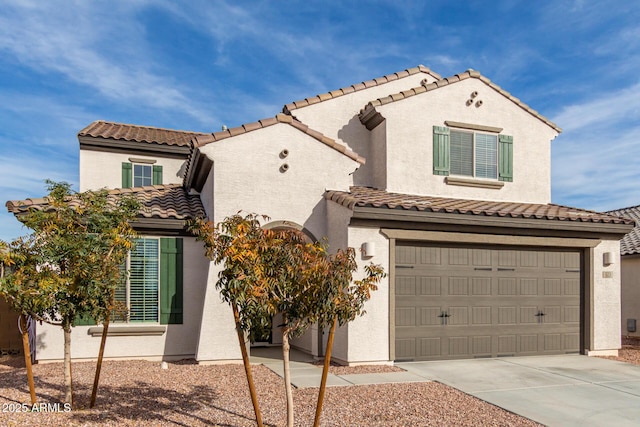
(474, 148)
(127, 318)
(133, 174)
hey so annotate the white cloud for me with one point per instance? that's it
(98, 45)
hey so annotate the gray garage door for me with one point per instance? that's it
(466, 302)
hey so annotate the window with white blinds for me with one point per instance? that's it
(474, 154)
(140, 292)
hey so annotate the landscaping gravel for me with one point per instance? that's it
(140, 393)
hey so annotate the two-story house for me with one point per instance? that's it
(445, 182)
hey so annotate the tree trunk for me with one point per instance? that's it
(247, 365)
(286, 347)
(68, 383)
(27, 357)
(103, 342)
(325, 372)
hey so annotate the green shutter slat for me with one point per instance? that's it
(505, 158)
(157, 175)
(441, 162)
(127, 172)
(171, 281)
(84, 321)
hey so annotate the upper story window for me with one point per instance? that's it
(138, 174)
(472, 153)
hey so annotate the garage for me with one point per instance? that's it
(454, 301)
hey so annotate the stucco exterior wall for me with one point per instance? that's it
(606, 300)
(99, 169)
(178, 341)
(247, 176)
(337, 118)
(409, 134)
(630, 292)
(369, 334)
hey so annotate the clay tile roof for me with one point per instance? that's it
(205, 139)
(426, 87)
(370, 197)
(135, 133)
(630, 243)
(169, 201)
(359, 86)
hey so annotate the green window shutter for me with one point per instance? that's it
(84, 321)
(127, 172)
(157, 175)
(505, 158)
(441, 160)
(170, 281)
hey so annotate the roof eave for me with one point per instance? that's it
(117, 145)
(386, 214)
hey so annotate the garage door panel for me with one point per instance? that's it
(481, 286)
(481, 315)
(406, 285)
(571, 314)
(458, 316)
(459, 346)
(528, 287)
(430, 286)
(430, 347)
(405, 316)
(571, 287)
(528, 343)
(430, 316)
(507, 286)
(458, 286)
(507, 315)
(463, 302)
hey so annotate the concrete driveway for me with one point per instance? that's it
(569, 390)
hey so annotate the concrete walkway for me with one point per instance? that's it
(569, 390)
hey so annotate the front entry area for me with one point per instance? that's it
(461, 302)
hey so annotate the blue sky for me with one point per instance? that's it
(199, 64)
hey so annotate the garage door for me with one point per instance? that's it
(467, 302)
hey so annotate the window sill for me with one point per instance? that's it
(128, 331)
(470, 182)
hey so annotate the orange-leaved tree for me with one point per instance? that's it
(268, 272)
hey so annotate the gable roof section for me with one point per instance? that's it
(196, 165)
(371, 118)
(364, 198)
(288, 108)
(113, 135)
(169, 201)
(630, 243)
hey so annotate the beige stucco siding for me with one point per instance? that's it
(409, 136)
(337, 118)
(99, 169)
(178, 341)
(368, 335)
(247, 176)
(630, 292)
(606, 300)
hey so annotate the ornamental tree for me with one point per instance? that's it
(69, 266)
(269, 272)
